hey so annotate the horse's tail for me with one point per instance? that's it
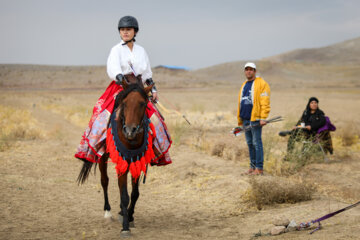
(84, 172)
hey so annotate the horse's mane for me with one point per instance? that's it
(131, 88)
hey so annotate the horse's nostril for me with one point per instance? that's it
(133, 129)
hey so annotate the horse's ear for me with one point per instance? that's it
(148, 89)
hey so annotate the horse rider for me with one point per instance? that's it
(125, 58)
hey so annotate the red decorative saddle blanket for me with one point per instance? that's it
(93, 142)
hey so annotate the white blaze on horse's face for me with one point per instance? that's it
(134, 111)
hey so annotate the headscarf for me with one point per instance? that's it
(310, 100)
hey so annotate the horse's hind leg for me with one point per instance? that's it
(134, 197)
(124, 203)
(104, 184)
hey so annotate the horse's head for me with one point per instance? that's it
(134, 101)
(130, 79)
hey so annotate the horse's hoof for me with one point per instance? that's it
(125, 233)
(132, 224)
(107, 214)
(120, 218)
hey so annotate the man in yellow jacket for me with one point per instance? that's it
(253, 109)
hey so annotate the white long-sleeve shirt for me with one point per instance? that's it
(120, 56)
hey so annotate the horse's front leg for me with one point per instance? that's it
(124, 203)
(104, 184)
(134, 197)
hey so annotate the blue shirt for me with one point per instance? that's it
(246, 101)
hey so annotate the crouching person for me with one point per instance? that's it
(313, 126)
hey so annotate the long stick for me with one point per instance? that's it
(308, 224)
(157, 109)
(336, 212)
(238, 130)
(177, 112)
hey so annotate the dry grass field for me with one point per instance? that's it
(202, 195)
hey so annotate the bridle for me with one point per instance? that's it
(126, 153)
(140, 126)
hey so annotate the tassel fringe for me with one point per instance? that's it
(137, 164)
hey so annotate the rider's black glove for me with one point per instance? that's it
(148, 82)
(119, 79)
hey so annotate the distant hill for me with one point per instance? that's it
(333, 66)
(47, 76)
(344, 52)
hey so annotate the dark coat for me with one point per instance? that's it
(316, 120)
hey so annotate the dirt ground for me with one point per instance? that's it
(196, 197)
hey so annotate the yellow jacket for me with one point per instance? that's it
(260, 95)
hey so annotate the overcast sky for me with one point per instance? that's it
(185, 32)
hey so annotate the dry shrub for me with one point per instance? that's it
(16, 125)
(274, 156)
(349, 134)
(228, 149)
(276, 166)
(218, 149)
(270, 190)
(305, 152)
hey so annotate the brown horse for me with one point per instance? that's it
(130, 109)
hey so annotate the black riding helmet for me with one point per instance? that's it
(128, 22)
